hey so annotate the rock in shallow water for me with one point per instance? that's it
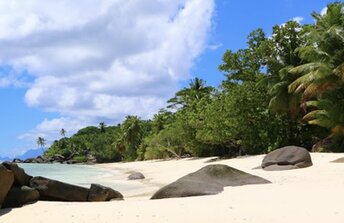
(207, 181)
(136, 176)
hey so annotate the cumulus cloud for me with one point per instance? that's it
(92, 60)
(323, 11)
(298, 19)
(50, 129)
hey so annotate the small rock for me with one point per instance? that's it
(136, 176)
(17, 161)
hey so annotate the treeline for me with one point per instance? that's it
(283, 89)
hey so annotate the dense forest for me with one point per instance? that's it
(283, 89)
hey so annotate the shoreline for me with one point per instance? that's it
(313, 194)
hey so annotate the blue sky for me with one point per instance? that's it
(71, 65)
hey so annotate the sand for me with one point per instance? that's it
(314, 194)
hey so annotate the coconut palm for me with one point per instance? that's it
(63, 132)
(324, 54)
(132, 134)
(191, 94)
(41, 142)
(322, 76)
(280, 57)
(328, 112)
(102, 126)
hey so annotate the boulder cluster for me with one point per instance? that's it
(57, 158)
(18, 188)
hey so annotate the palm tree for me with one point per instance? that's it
(132, 134)
(325, 55)
(63, 132)
(102, 126)
(161, 119)
(280, 57)
(191, 94)
(41, 142)
(322, 78)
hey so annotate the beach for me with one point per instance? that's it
(313, 194)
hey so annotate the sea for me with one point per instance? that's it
(81, 175)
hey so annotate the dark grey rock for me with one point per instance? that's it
(20, 177)
(53, 190)
(30, 160)
(102, 193)
(280, 167)
(340, 160)
(6, 182)
(136, 176)
(57, 158)
(207, 181)
(18, 196)
(40, 159)
(291, 157)
(17, 161)
(71, 162)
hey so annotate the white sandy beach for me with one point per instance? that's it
(314, 194)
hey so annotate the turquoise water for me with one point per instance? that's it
(82, 175)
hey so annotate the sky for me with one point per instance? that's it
(70, 64)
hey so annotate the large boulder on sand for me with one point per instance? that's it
(18, 196)
(207, 181)
(289, 157)
(6, 181)
(136, 176)
(20, 177)
(102, 193)
(53, 190)
(339, 160)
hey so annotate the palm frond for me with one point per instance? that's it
(339, 71)
(305, 68)
(275, 89)
(322, 71)
(321, 122)
(316, 114)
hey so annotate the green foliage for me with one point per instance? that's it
(133, 130)
(89, 140)
(80, 159)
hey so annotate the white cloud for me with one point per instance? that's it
(298, 19)
(102, 59)
(50, 129)
(215, 46)
(323, 11)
